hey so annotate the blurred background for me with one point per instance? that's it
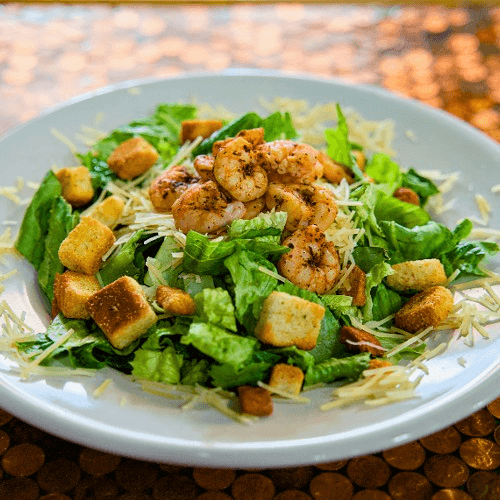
(445, 57)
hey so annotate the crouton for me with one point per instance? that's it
(355, 286)
(204, 165)
(287, 320)
(132, 158)
(407, 195)
(255, 401)
(72, 290)
(287, 378)
(122, 312)
(76, 184)
(428, 308)
(417, 275)
(82, 250)
(191, 129)
(175, 300)
(108, 211)
(357, 340)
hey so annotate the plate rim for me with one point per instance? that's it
(205, 455)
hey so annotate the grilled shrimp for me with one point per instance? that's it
(204, 208)
(254, 208)
(305, 204)
(204, 165)
(236, 170)
(312, 262)
(166, 188)
(334, 171)
(254, 136)
(288, 161)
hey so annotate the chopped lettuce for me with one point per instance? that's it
(35, 225)
(61, 221)
(160, 366)
(214, 305)
(337, 368)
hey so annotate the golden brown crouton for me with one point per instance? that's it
(76, 184)
(255, 401)
(287, 378)
(167, 187)
(122, 312)
(355, 286)
(191, 129)
(204, 165)
(288, 320)
(175, 300)
(407, 195)
(428, 308)
(132, 158)
(72, 290)
(333, 171)
(357, 340)
(108, 211)
(417, 275)
(82, 250)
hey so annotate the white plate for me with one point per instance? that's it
(152, 428)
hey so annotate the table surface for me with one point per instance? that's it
(445, 57)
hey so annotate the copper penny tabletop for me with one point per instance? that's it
(448, 58)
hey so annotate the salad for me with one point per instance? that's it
(212, 258)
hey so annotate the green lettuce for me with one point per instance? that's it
(61, 221)
(337, 368)
(160, 366)
(215, 306)
(219, 344)
(35, 224)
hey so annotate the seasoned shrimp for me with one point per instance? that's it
(166, 188)
(289, 161)
(312, 262)
(333, 171)
(255, 136)
(204, 208)
(305, 204)
(204, 165)
(254, 208)
(236, 170)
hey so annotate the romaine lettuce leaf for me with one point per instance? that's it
(424, 187)
(204, 256)
(337, 368)
(35, 225)
(389, 208)
(195, 372)
(267, 224)
(160, 366)
(123, 263)
(229, 375)
(61, 221)
(219, 344)
(373, 280)
(215, 306)
(339, 146)
(251, 285)
(385, 171)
